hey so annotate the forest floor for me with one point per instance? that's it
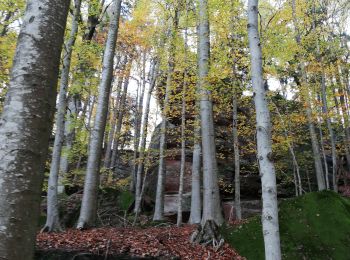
(169, 242)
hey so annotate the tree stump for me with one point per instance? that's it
(208, 234)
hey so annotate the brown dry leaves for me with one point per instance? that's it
(155, 241)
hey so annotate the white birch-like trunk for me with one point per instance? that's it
(264, 145)
(88, 209)
(26, 123)
(211, 197)
(52, 216)
(159, 205)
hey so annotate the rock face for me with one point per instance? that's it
(250, 179)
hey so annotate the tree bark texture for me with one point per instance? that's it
(26, 123)
(211, 196)
(52, 217)
(88, 209)
(264, 145)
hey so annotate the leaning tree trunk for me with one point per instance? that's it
(159, 206)
(26, 122)
(142, 148)
(89, 203)
(52, 217)
(264, 145)
(211, 197)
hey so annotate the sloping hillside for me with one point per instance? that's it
(314, 226)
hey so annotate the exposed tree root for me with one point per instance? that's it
(208, 234)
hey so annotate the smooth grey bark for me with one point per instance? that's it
(330, 132)
(196, 201)
(142, 148)
(237, 157)
(306, 97)
(26, 123)
(211, 197)
(88, 209)
(264, 146)
(183, 124)
(322, 143)
(314, 142)
(159, 205)
(52, 216)
(138, 122)
(122, 106)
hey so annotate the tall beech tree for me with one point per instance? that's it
(159, 206)
(142, 148)
(52, 218)
(26, 122)
(211, 196)
(88, 209)
(264, 145)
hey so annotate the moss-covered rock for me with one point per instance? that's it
(314, 226)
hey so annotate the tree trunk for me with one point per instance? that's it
(89, 203)
(26, 122)
(306, 97)
(264, 146)
(159, 206)
(69, 134)
(139, 113)
(52, 218)
(196, 200)
(211, 197)
(121, 108)
(108, 154)
(237, 161)
(331, 133)
(183, 124)
(345, 118)
(142, 148)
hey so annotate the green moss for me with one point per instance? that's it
(125, 199)
(314, 226)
